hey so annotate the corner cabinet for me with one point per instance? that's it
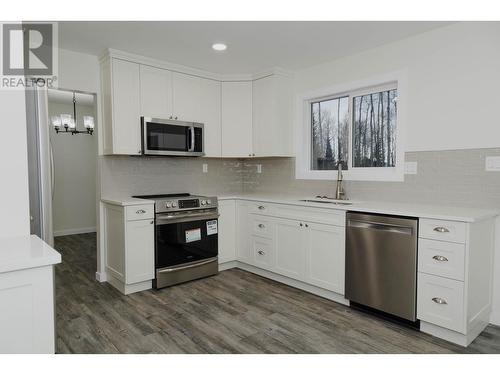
(129, 239)
(272, 116)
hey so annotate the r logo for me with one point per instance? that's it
(28, 49)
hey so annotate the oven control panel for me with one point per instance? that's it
(181, 204)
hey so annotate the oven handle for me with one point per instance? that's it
(166, 270)
(164, 219)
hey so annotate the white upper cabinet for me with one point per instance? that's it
(272, 116)
(241, 119)
(199, 100)
(156, 92)
(237, 119)
(121, 103)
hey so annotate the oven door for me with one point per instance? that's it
(171, 137)
(188, 239)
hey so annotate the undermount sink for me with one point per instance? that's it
(327, 201)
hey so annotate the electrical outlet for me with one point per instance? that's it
(259, 168)
(493, 163)
(411, 167)
(205, 168)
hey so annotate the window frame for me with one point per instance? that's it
(303, 166)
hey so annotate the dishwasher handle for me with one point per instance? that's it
(385, 227)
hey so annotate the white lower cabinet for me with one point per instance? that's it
(455, 278)
(290, 242)
(325, 257)
(270, 238)
(129, 242)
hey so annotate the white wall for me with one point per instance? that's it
(453, 91)
(14, 196)
(453, 80)
(75, 160)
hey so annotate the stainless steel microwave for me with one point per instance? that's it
(171, 137)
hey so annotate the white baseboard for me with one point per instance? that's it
(67, 232)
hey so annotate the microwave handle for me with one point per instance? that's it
(191, 133)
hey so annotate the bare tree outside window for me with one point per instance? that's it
(374, 129)
(330, 132)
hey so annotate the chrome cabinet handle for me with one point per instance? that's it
(439, 301)
(441, 230)
(260, 252)
(262, 226)
(261, 207)
(140, 212)
(440, 258)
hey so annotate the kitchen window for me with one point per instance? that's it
(360, 129)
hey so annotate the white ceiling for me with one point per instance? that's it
(252, 46)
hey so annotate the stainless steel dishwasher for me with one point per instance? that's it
(381, 263)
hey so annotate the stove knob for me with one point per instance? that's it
(203, 202)
(174, 204)
(209, 201)
(168, 204)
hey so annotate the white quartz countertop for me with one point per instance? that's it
(125, 200)
(454, 213)
(18, 253)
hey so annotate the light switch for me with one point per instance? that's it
(259, 168)
(205, 168)
(411, 167)
(493, 163)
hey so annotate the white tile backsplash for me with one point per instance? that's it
(446, 177)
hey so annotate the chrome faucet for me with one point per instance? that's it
(339, 192)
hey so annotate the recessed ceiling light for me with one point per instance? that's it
(219, 46)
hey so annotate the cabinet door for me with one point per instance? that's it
(126, 108)
(139, 253)
(236, 119)
(198, 99)
(156, 92)
(326, 256)
(290, 249)
(272, 116)
(227, 231)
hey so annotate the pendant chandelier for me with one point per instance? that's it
(67, 123)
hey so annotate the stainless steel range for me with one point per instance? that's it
(186, 237)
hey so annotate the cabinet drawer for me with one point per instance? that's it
(139, 212)
(452, 231)
(440, 301)
(446, 259)
(311, 215)
(263, 252)
(261, 208)
(261, 226)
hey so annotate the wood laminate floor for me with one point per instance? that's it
(233, 312)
